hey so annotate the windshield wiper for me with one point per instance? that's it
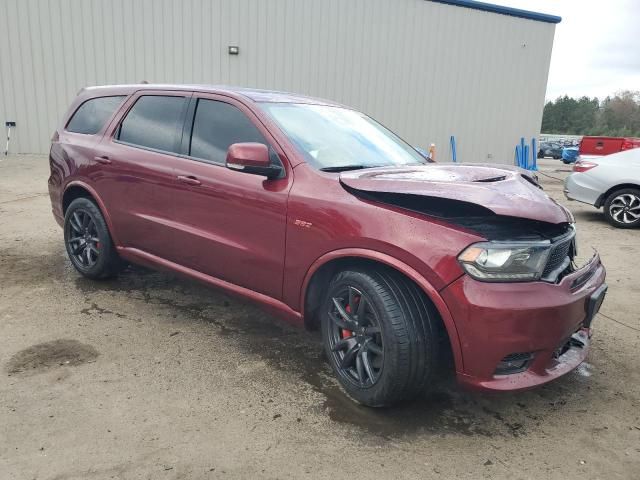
(344, 168)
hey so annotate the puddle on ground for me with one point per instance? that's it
(44, 356)
(34, 267)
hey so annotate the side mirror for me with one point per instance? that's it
(252, 158)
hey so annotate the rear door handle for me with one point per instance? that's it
(102, 159)
(189, 179)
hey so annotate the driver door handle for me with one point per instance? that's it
(189, 179)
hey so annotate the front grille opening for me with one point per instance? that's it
(514, 363)
(558, 255)
(563, 251)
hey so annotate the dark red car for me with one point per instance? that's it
(324, 216)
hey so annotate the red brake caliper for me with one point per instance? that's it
(347, 333)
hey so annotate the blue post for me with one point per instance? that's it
(534, 154)
(521, 158)
(453, 149)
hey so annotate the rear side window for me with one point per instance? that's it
(91, 116)
(216, 126)
(153, 122)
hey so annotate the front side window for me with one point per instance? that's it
(155, 122)
(91, 116)
(216, 126)
(335, 138)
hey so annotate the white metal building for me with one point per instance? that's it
(427, 69)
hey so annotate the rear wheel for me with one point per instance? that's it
(88, 242)
(379, 332)
(622, 208)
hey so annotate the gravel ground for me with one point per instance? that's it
(150, 376)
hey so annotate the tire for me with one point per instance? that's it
(621, 206)
(88, 242)
(396, 318)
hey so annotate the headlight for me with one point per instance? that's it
(505, 261)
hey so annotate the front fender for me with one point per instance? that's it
(403, 268)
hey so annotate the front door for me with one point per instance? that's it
(230, 225)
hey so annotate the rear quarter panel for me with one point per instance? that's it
(70, 161)
(71, 154)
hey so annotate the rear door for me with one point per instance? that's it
(137, 176)
(229, 224)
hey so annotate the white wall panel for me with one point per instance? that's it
(425, 69)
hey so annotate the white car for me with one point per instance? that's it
(611, 182)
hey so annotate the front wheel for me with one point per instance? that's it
(622, 208)
(379, 332)
(88, 241)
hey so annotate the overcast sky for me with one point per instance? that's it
(596, 50)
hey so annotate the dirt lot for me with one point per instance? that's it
(150, 376)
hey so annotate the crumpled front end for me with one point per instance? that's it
(523, 309)
(515, 336)
(498, 191)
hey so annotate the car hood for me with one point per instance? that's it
(504, 190)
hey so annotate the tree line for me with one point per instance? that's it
(616, 116)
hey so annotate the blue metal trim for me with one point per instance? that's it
(514, 12)
(534, 154)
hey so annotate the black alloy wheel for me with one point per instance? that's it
(380, 334)
(355, 337)
(83, 243)
(88, 241)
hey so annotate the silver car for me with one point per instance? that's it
(611, 182)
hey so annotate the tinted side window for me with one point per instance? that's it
(153, 122)
(91, 116)
(216, 126)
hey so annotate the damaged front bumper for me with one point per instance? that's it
(540, 330)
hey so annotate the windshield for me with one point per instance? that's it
(334, 138)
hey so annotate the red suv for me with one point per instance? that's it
(322, 215)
